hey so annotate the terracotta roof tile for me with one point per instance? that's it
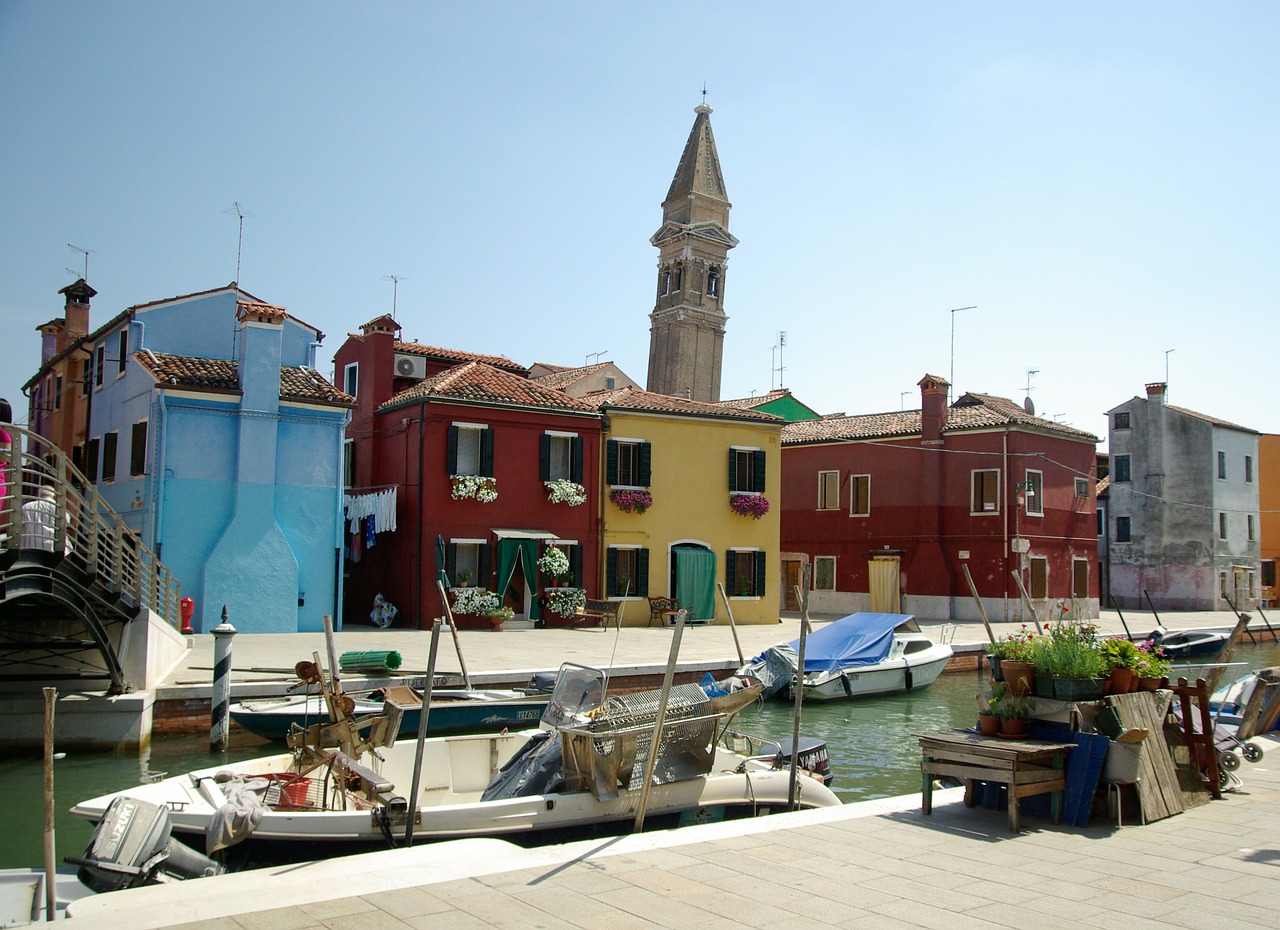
(561, 377)
(636, 399)
(216, 374)
(1208, 419)
(480, 383)
(457, 356)
(750, 403)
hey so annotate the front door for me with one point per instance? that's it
(885, 596)
(694, 580)
(793, 577)
(1240, 587)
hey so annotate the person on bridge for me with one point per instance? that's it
(39, 518)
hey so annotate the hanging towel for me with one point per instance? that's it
(369, 540)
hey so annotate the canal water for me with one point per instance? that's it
(873, 754)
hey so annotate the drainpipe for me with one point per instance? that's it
(340, 528)
(1004, 514)
(157, 507)
(422, 493)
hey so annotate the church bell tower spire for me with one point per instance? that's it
(686, 333)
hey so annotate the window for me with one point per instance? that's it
(1082, 487)
(1222, 464)
(1079, 578)
(1251, 537)
(109, 441)
(1222, 526)
(824, 573)
(1120, 468)
(986, 492)
(561, 457)
(470, 556)
(744, 572)
(470, 450)
(86, 376)
(627, 462)
(1035, 493)
(665, 287)
(1101, 517)
(1121, 420)
(57, 392)
(91, 459)
(1268, 573)
(610, 382)
(679, 277)
(138, 449)
(1039, 586)
(351, 379)
(348, 462)
(123, 360)
(1122, 530)
(1248, 467)
(713, 282)
(828, 490)
(100, 361)
(746, 469)
(859, 495)
(626, 572)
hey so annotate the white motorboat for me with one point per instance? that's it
(856, 656)
(583, 767)
(1181, 644)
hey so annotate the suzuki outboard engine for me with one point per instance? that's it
(133, 845)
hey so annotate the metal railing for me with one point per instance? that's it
(47, 504)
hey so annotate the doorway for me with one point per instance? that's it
(517, 576)
(886, 598)
(693, 579)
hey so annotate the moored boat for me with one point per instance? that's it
(856, 656)
(1179, 644)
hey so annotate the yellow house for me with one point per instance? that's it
(1269, 519)
(690, 509)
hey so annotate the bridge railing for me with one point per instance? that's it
(47, 504)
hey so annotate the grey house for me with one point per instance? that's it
(1182, 513)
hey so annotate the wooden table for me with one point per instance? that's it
(1027, 766)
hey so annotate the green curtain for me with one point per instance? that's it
(525, 552)
(696, 581)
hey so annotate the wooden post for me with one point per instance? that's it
(733, 627)
(1214, 679)
(656, 739)
(50, 857)
(453, 628)
(982, 611)
(799, 695)
(334, 678)
(223, 633)
(423, 715)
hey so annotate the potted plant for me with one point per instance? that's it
(1071, 655)
(749, 505)
(1122, 659)
(473, 487)
(554, 564)
(1153, 667)
(631, 501)
(566, 601)
(989, 715)
(1014, 647)
(464, 578)
(498, 616)
(1013, 716)
(475, 601)
(564, 491)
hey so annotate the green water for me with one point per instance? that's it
(871, 743)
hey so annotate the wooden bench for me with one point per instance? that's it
(662, 608)
(1027, 766)
(598, 614)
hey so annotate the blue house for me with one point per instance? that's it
(214, 436)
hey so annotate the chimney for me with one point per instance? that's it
(1155, 392)
(259, 368)
(77, 310)
(933, 407)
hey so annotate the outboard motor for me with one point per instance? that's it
(812, 758)
(133, 845)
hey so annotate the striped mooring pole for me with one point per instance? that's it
(223, 633)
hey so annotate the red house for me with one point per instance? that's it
(470, 446)
(896, 511)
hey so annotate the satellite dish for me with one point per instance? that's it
(1029, 407)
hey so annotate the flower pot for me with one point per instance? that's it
(1018, 676)
(1044, 685)
(1123, 680)
(1013, 726)
(1077, 689)
(988, 724)
(997, 670)
(1150, 684)
(496, 623)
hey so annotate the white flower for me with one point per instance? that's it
(564, 491)
(477, 487)
(554, 563)
(475, 601)
(565, 601)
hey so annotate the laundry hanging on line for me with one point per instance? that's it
(379, 508)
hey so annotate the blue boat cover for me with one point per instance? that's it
(858, 639)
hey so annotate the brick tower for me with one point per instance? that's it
(686, 333)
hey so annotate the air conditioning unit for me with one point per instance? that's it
(411, 366)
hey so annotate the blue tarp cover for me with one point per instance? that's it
(858, 639)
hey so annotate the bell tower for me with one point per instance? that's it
(686, 332)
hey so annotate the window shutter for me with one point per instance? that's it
(646, 452)
(451, 452)
(544, 458)
(575, 566)
(758, 462)
(611, 573)
(91, 460)
(1039, 578)
(730, 573)
(989, 482)
(642, 573)
(862, 491)
(611, 462)
(483, 559)
(1080, 584)
(486, 453)
(451, 564)
(733, 471)
(759, 590)
(575, 459)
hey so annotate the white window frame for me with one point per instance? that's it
(348, 462)
(975, 505)
(468, 429)
(1222, 525)
(853, 496)
(757, 554)
(351, 379)
(829, 488)
(1039, 497)
(567, 440)
(1082, 487)
(472, 568)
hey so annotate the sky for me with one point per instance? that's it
(1095, 180)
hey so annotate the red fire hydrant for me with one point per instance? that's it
(188, 608)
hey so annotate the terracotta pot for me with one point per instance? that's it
(1018, 676)
(1150, 684)
(1123, 680)
(1013, 726)
(496, 623)
(988, 724)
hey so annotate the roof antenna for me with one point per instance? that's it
(778, 367)
(243, 214)
(395, 280)
(85, 253)
(1027, 405)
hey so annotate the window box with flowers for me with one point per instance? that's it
(566, 601)
(564, 491)
(749, 505)
(554, 564)
(629, 500)
(474, 487)
(475, 601)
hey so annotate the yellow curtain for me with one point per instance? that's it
(885, 598)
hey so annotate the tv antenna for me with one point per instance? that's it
(395, 280)
(1027, 405)
(778, 367)
(243, 214)
(85, 253)
(587, 359)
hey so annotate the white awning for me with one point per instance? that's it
(524, 534)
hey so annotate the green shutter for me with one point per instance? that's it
(451, 453)
(611, 462)
(484, 560)
(642, 574)
(575, 566)
(544, 458)
(486, 453)
(611, 573)
(575, 459)
(733, 472)
(759, 460)
(730, 573)
(646, 452)
(451, 563)
(760, 563)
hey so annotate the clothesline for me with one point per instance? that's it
(380, 508)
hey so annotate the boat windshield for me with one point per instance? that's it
(579, 691)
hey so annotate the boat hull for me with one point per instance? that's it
(911, 674)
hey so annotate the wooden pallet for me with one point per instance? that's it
(1160, 788)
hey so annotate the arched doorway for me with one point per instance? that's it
(693, 579)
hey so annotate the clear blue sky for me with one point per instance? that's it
(1098, 178)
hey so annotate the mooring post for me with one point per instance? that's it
(223, 633)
